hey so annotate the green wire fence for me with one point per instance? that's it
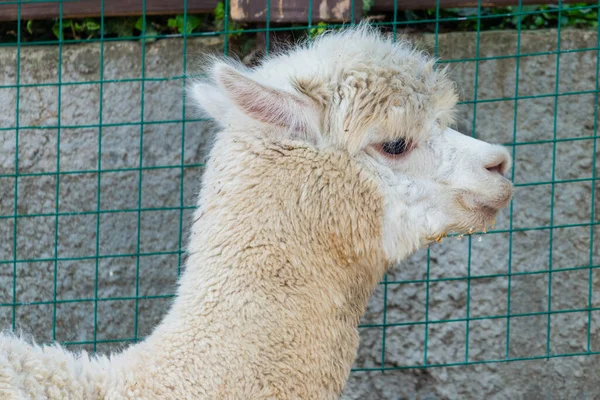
(102, 156)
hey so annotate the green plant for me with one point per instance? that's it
(121, 27)
(88, 27)
(576, 15)
(314, 32)
(219, 13)
(184, 25)
(579, 15)
(149, 29)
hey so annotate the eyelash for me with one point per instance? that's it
(393, 149)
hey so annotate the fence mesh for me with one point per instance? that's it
(95, 205)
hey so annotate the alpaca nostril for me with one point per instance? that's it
(499, 165)
(496, 169)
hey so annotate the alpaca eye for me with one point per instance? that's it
(394, 148)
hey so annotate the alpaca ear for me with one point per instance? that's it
(210, 100)
(295, 114)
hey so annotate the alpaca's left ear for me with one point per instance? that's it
(294, 113)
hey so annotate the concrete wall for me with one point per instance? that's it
(527, 249)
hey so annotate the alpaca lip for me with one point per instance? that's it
(498, 203)
(492, 206)
(488, 206)
(489, 212)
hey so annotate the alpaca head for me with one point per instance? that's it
(388, 108)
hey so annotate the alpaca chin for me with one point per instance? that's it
(484, 208)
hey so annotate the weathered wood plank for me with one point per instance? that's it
(296, 10)
(388, 5)
(339, 10)
(241, 10)
(92, 8)
(286, 11)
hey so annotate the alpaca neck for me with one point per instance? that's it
(282, 259)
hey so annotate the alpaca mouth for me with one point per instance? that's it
(489, 212)
(481, 213)
(485, 205)
(489, 208)
(493, 206)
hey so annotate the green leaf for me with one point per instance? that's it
(185, 25)
(29, 29)
(539, 21)
(139, 24)
(150, 31)
(194, 21)
(56, 30)
(191, 23)
(179, 23)
(321, 27)
(220, 11)
(56, 27)
(91, 25)
(121, 27)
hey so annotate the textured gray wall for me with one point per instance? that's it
(80, 105)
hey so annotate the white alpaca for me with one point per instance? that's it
(334, 162)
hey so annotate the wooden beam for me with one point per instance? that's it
(388, 5)
(283, 11)
(290, 11)
(92, 8)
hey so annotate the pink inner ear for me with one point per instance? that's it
(265, 104)
(276, 108)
